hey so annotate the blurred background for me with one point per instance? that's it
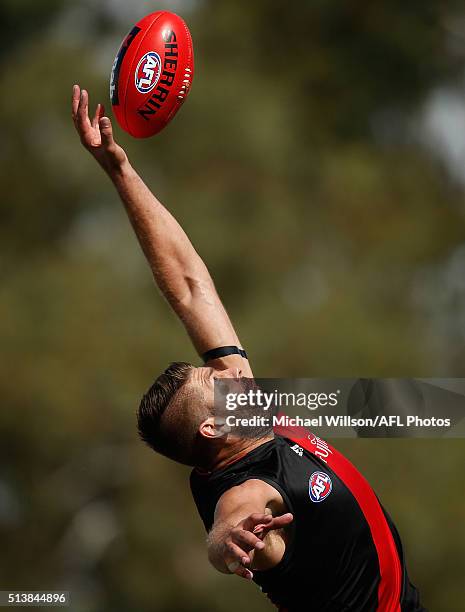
(318, 166)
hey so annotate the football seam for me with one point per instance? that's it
(182, 95)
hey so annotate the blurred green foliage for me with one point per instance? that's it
(301, 169)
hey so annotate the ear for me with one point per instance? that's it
(214, 427)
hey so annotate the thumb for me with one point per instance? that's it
(106, 132)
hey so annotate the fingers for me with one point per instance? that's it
(75, 100)
(278, 522)
(256, 519)
(97, 116)
(82, 115)
(235, 554)
(240, 570)
(89, 137)
(80, 108)
(106, 132)
(248, 541)
(246, 537)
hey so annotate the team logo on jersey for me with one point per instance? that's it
(319, 486)
(147, 72)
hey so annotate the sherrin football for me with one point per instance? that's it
(152, 74)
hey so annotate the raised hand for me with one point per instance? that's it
(97, 134)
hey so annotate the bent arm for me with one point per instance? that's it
(249, 529)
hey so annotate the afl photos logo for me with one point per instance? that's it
(319, 486)
(147, 72)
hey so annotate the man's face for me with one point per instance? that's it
(201, 388)
(203, 379)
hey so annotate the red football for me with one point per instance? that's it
(152, 74)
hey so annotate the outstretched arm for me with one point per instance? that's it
(249, 529)
(178, 270)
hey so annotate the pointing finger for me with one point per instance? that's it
(256, 519)
(279, 521)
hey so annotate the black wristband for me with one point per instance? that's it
(223, 351)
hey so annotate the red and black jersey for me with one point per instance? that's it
(344, 553)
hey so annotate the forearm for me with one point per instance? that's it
(178, 270)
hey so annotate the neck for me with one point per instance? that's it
(235, 450)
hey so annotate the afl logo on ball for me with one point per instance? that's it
(319, 486)
(147, 72)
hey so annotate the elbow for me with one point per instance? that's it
(198, 290)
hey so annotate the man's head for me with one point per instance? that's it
(176, 415)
